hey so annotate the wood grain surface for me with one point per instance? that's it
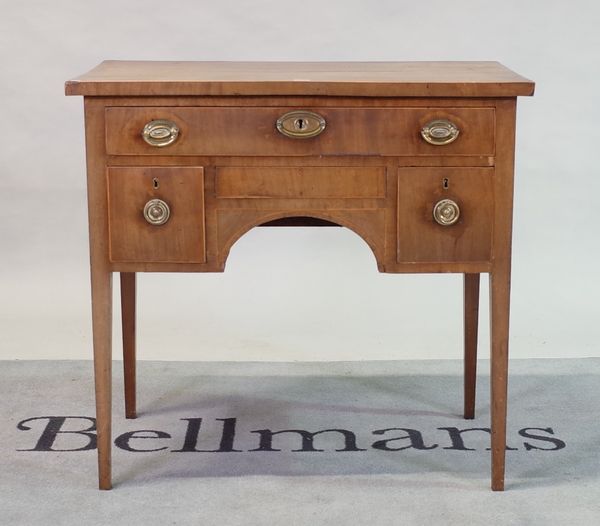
(373, 79)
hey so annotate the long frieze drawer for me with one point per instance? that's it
(257, 131)
(445, 214)
(300, 182)
(156, 215)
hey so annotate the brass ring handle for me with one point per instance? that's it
(301, 124)
(157, 212)
(440, 132)
(446, 212)
(160, 133)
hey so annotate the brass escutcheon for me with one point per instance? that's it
(446, 212)
(301, 124)
(160, 133)
(156, 212)
(440, 132)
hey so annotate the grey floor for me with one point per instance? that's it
(553, 475)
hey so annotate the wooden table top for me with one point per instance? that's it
(366, 79)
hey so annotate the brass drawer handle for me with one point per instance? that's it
(446, 212)
(440, 132)
(160, 133)
(301, 124)
(156, 212)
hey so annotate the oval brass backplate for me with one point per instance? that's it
(301, 124)
(440, 132)
(160, 133)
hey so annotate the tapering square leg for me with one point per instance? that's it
(499, 317)
(471, 322)
(102, 336)
(128, 318)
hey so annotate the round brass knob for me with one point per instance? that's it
(156, 212)
(440, 132)
(446, 212)
(160, 133)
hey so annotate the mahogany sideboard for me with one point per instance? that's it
(416, 158)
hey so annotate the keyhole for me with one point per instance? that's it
(155, 183)
(445, 183)
(300, 124)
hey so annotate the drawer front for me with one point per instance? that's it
(156, 214)
(421, 238)
(252, 131)
(300, 182)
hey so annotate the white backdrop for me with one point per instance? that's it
(304, 294)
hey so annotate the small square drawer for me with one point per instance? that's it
(156, 214)
(445, 214)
